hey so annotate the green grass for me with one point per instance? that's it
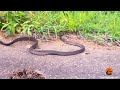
(93, 24)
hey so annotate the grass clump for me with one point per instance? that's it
(93, 24)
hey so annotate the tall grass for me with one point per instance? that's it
(93, 24)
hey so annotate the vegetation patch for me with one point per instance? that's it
(93, 25)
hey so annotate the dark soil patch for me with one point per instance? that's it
(27, 74)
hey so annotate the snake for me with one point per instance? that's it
(35, 51)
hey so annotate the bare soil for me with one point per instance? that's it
(91, 64)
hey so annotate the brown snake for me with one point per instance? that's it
(32, 49)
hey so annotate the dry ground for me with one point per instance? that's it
(90, 64)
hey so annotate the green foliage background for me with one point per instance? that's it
(92, 24)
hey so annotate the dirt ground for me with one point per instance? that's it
(91, 64)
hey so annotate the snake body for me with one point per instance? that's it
(34, 51)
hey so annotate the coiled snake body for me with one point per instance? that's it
(34, 51)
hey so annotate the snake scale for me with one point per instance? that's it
(34, 51)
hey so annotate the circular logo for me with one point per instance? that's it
(109, 71)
